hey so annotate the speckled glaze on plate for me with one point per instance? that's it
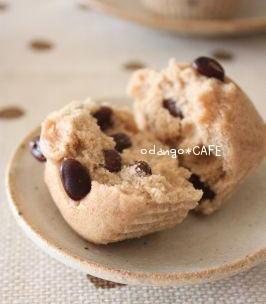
(198, 250)
(250, 19)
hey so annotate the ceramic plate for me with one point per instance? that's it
(248, 20)
(200, 249)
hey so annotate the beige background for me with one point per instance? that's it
(87, 57)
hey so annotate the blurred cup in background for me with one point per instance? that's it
(194, 9)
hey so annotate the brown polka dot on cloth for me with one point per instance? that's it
(11, 112)
(222, 54)
(133, 65)
(103, 284)
(41, 45)
(83, 6)
(3, 6)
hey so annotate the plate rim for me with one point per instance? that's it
(102, 271)
(185, 26)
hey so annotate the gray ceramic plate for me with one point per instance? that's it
(200, 249)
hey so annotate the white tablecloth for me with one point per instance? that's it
(86, 59)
